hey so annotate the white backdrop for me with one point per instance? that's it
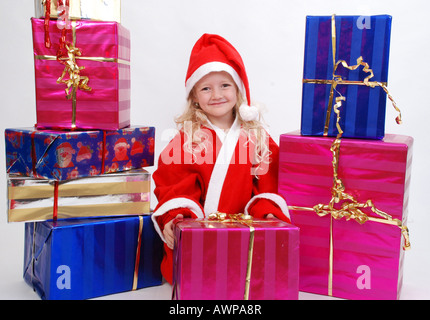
(269, 35)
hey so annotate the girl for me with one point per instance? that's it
(222, 159)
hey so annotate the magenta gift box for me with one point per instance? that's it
(367, 259)
(104, 54)
(211, 260)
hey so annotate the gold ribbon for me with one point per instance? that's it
(350, 209)
(75, 80)
(336, 79)
(137, 261)
(246, 220)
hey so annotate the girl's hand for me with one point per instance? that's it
(270, 216)
(168, 231)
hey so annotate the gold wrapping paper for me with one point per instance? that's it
(102, 10)
(32, 199)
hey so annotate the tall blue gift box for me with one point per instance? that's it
(86, 258)
(329, 41)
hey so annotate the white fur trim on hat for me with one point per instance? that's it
(213, 67)
(248, 113)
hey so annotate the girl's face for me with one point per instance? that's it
(216, 93)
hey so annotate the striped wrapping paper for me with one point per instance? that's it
(363, 113)
(87, 258)
(367, 258)
(113, 194)
(107, 105)
(211, 260)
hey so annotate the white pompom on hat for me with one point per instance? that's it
(212, 53)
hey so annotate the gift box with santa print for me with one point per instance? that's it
(64, 155)
(87, 258)
(349, 198)
(235, 259)
(82, 74)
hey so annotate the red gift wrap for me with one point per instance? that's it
(83, 78)
(235, 259)
(353, 248)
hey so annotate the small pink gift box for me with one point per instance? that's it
(338, 255)
(98, 94)
(213, 260)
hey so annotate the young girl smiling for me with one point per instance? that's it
(222, 159)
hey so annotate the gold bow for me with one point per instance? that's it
(71, 68)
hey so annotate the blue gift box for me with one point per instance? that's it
(65, 155)
(362, 114)
(86, 258)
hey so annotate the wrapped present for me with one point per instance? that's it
(83, 78)
(103, 10)
(63, 155)
(121, 193)
(347, 57)
(86, 258)
(350, 201)
(233, 258)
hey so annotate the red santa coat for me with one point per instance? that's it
(219, 178)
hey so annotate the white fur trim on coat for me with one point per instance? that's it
(277, 199)
(175, 204)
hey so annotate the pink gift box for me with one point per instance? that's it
(105, 56)
(211, 260)
(367, 259)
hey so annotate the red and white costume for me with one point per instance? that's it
(222, 176)
(196, 190)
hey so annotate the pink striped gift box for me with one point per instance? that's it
(212, 259)
(105, 55)
(339, 256)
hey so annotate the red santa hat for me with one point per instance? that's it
(212, 53)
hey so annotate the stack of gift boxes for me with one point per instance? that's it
(76, 177)
(347, 182)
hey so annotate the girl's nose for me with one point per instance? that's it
(216, 93)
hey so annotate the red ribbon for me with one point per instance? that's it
(55, 206)
(33, 155)
(47, 18)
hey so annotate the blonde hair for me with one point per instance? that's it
(193, 118)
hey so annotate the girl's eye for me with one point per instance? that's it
(226, 85)
(205, 89)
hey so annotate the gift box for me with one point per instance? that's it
(87, 258)
(121, 193)
(82, 81)
(235, 260)
(62, 155)
(333, 46)
(353, 228)
(80, 9)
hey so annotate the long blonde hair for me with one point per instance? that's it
(194, 118)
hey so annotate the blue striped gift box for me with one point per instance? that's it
(362, 114)
(85, 258)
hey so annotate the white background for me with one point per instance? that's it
(269, 35)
